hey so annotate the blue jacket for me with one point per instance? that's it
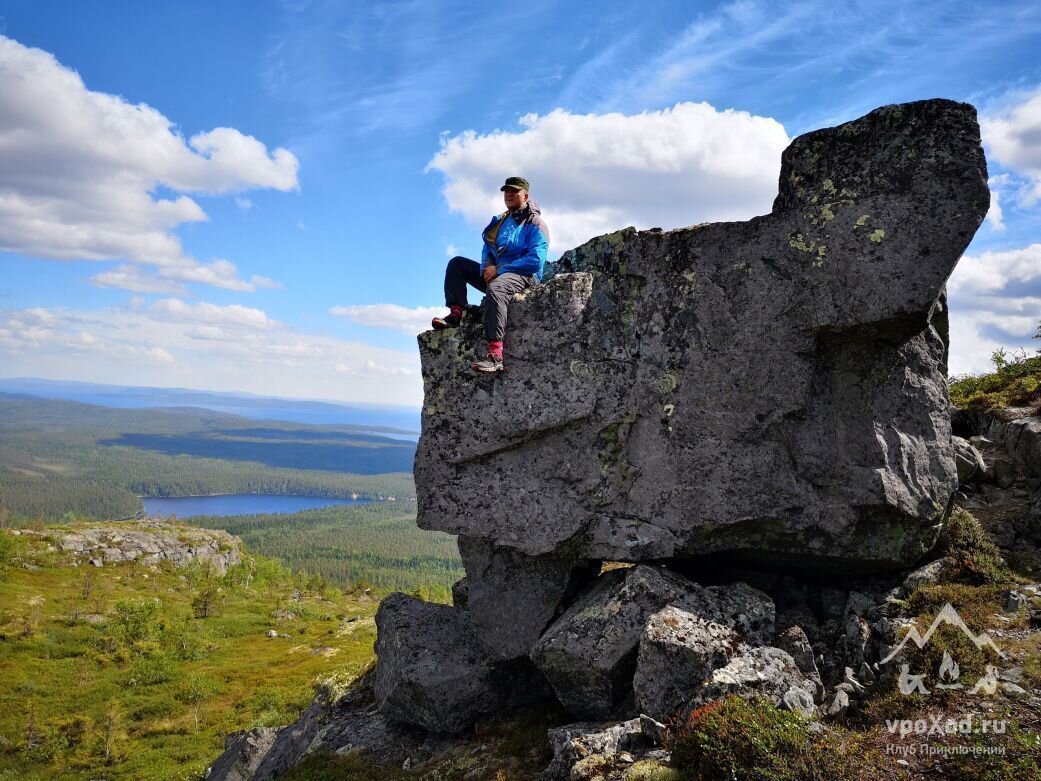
(518, 244)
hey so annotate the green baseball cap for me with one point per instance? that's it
(516, 183)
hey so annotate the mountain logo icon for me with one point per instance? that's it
(948, 615)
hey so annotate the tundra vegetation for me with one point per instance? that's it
(129, 671)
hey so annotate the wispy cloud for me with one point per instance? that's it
(854, 56)
(384, 66)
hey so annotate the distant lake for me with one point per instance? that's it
(238, 504)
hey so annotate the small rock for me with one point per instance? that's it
(573, 744)
(866, 674)
(1014, 690)
(838, 705)
(980, 442)
(858, 604)
(586, 654)
(768, 672)
(799, 701)
(272, 633)
(850, 678)
(653, 729)
(1004, 473)
(1012, 675)
(1015, 602)
(969, 461)
(927, 575)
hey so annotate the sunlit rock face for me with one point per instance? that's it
(771, 390)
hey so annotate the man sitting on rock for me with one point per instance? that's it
(514, 254)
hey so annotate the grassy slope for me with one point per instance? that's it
(377, 544)
(63, 677)
(1016, 382)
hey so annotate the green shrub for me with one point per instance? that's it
(137, 620)
(977, 559)
(7, 550)
(1015, 382)
(751, 740)
(152, 670)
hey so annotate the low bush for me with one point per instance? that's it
(977, 559)
(751, 740)
(1015, 382)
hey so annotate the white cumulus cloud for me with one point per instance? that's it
(1014, 140)
(392, 316)
(995, 300)
(595, 173)
(79, 173)
(211, 314)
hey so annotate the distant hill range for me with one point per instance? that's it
(385, 420)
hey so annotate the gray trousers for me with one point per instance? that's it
(463, 271)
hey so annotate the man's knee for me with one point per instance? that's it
(500, 289)
(458, 262)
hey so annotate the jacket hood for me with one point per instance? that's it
(533, 207)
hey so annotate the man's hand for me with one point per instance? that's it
(490, 273)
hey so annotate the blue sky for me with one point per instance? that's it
(262, 196)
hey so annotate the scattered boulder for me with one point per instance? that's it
(1005, 473)
(1016, 601)
(243, 753)
(796, 644)
(588, 655)
(678, 650)
(969, 461)
(838, 706)
(926, 575)
(685, 642)
(596, 745)
(335, 722)
(766, 671)
(511, 597)
(432, 671)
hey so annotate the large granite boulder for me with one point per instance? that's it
(684, 643)
(432, 671)
(511, 597)
(588, 655)
(766, 672)
(773, 390)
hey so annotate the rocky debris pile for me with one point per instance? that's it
(1000, 461)
(714, 405)
(148, 541)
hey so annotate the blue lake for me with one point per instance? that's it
(238, 504)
